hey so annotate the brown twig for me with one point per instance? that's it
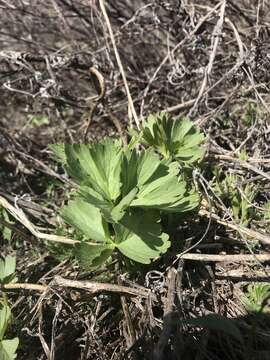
(92, 287)
(19, 215)
(158, 353)
(244, 164)
(24, 286)
(119, 63)
(263, 238)
(129, 332)
(236, 274)
(216, 37)
(227, 258)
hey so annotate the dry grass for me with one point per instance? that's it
(207, 60)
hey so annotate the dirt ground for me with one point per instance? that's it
(205, 60)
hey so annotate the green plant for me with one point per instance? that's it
(178, 139)
(251, 111)
(255, 300)
(8, 347)
(243, 155)
(35, 121)
(123, 191)
(238, 198)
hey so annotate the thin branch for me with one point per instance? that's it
(227, 258)
(216, 36)
(92, 287)
(244, 164)
(19, 215)
(119, 62)
(263, 238)
(177, 46)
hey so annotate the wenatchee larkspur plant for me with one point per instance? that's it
(178, 139)
(123, 192)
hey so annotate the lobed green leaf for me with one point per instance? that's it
(179, 139)
(86, 218)
(97, 166)
(8, 349)
(140, 236)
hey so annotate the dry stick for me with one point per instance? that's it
(168, 316)
(259, 160)
(240, 58)
(189, 103)
(130, 333)
(238, 40)
(240, 274)
(181, 106)
(27, 204)
(119, 62)
(201, 121)
(177, 46)
(22, 286)
(227, 258)
(45, 169)
(263, 238)
(58, 309)
(244, 164)
(92, 287)
(216, 35)
(19, 215)
(233, 69)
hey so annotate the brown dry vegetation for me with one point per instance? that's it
(207, 60)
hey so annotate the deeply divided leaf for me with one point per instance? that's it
(8, 349)
(179, 139)
(140, 236)
(86, 218)
(97, 166)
